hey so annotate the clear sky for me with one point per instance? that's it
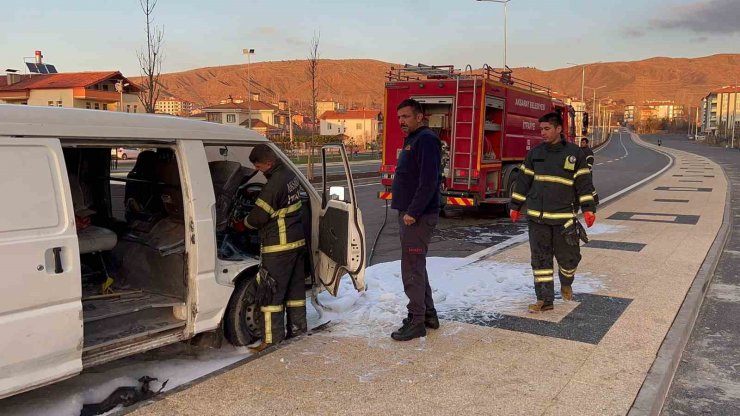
(82, 35)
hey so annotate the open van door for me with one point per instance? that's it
(341, 247)
(40, 308)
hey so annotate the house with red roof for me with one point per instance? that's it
(256, 114)
(91, 90)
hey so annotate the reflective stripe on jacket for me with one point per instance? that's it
(550, 181)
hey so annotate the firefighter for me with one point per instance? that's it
(281, 278)
(590, 162)
(416, 195)
(552, 178)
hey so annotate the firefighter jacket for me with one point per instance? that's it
(417, 178)
(589, 157)
(277, 212)
(551, 180)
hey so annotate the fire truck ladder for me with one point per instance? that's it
(464, 110)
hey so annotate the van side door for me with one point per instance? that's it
(40, 308)
(341, 247)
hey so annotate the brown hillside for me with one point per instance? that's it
(359, 82)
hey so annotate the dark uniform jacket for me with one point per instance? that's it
(277, 214)
(550, 181)
(417, 177)
(589, 157)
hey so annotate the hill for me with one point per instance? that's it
(359, 82)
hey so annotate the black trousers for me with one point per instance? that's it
(415, 240)
(546, 241)
(288, 270)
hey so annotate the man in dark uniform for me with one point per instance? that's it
(416, 197)
(588, 152)
(281, 279)
(552, 178)
(586, 149)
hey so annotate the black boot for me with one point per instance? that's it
(431, 320)
(409, 331)
(273, 327)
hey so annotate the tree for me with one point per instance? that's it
(313, 73)
(150, 59)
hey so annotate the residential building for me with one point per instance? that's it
(174, 106)
(629, 113)
(661, 110)
(324, 106)
(721, 112)
(360, 126)
(90, 90)
(258, 114)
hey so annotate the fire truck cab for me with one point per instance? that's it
(487, 121)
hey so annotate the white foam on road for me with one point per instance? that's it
(485, 288)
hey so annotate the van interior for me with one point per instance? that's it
(130, 218)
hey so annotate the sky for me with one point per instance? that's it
(81, 35)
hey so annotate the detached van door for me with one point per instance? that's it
(40, 307)
(341, 247)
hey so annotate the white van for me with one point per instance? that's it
(97, 264)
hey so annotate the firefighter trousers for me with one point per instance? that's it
(415, 240)
(288, 271)
(546, 241)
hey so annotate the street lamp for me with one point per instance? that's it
(583, 76)
(593, 109)
(119, 87)
(506, 3)
(249, 52)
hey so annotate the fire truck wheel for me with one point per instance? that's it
(242, 320)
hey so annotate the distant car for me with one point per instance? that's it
(125, 153)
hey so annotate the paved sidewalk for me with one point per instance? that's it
(587, 357)
(708, 378)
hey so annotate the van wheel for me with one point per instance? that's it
(124, 156)
(243, 320)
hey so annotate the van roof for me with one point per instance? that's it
(38, 121)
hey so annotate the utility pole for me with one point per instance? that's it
(505, 3)
(249, 52)
(594, 110)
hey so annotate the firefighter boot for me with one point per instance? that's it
(409, 331)
(431, 320)
(540, 306)
(567, 292)
(273, 327)
(296, 323)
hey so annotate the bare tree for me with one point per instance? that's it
(150, 59)
(313, 73)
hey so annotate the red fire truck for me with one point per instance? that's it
(486, 120)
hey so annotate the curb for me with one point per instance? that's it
(654, 390)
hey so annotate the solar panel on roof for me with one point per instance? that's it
(32, 67)
(42, 68)
(51, 68)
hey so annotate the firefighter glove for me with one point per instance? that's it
(514, 215)
(590, 218)
(266, 287)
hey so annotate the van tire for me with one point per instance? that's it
(124, 156)
(242, 320)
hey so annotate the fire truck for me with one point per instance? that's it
(487, 121)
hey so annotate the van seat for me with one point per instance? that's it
(96, 239)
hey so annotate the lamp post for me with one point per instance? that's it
(593, 109)
(505, 3)
(119, 87)
(249, 53)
